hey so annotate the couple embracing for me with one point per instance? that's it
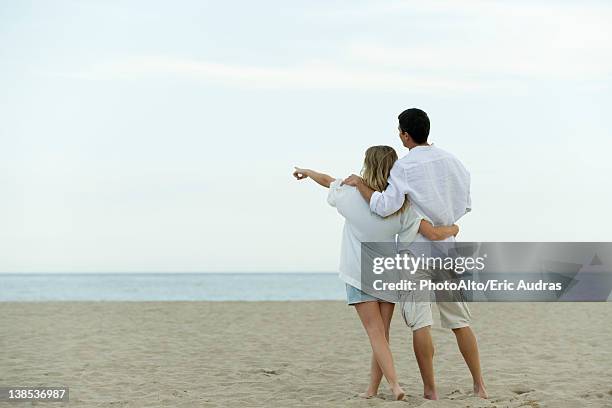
(416, 199)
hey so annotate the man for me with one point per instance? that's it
(438, 187)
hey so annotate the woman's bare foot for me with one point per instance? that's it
(398, 392)
(479, 389)
(370, 393)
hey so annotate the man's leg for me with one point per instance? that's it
(456, 316)
(466, 340)
(424, 352)
(418, 316)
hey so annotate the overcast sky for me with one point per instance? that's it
(161, 136)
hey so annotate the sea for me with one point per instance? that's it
(33, 287)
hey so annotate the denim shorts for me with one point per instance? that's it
(354, 296)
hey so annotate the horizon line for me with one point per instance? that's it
(165, 272)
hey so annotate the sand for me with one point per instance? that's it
(285, 354)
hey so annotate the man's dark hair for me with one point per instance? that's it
(415, 122)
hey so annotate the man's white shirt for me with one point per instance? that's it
(436, 182)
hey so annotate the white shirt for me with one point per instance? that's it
(361, 225)
(436, 182)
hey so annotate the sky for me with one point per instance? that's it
(150, 136)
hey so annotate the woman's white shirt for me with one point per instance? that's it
(362, 225)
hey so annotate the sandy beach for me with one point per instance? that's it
(283, 354)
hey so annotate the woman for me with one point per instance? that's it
(363, 226)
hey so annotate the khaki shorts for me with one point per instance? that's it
(417, 312)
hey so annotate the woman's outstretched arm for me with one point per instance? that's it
(322, 179)
(437, 233)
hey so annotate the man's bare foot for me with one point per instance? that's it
(430, 394)
(479, 389)
(398, 392)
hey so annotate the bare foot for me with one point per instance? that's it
(398, 392)
(430, 395)
(370, 393)
(479, 389)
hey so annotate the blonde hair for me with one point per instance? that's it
(377, 167)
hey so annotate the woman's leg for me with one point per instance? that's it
(376, 374)
(371, 318)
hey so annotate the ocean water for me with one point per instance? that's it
(170, 286)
